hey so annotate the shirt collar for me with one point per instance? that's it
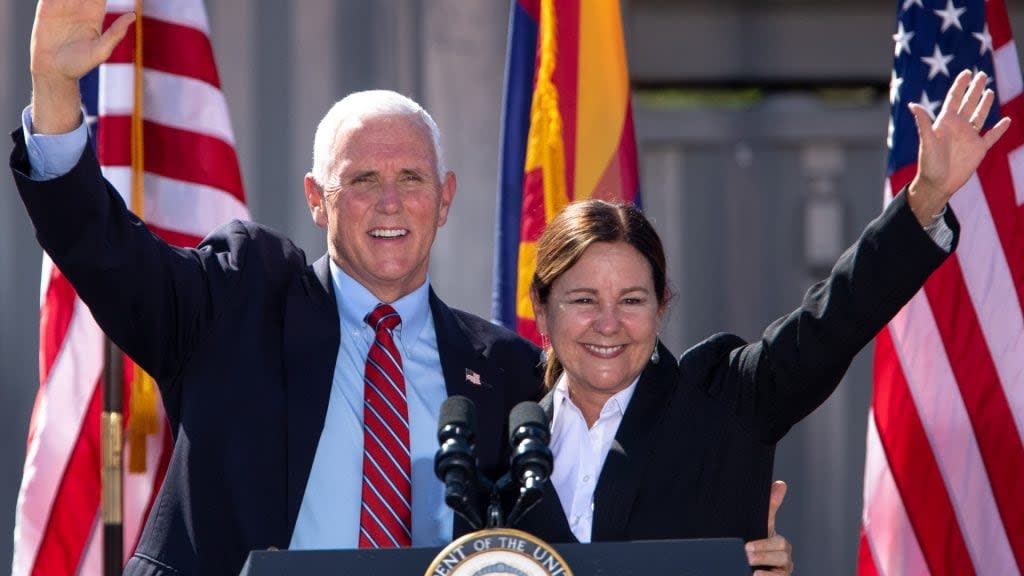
(355, 302)
(614, 406)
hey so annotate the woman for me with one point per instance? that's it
(649, 448)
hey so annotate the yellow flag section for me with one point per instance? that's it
(606, 165)
(580, 142)
(142, 401)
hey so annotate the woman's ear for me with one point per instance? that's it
(663, 305)
(539, 314)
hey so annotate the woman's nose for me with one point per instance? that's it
(607, 321)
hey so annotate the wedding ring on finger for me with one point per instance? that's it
(976, 126)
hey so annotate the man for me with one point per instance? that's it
(269, 367)
(260, 357)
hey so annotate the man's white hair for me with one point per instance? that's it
(364, 105)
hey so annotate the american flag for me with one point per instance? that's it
(192, 184)
(945, 459)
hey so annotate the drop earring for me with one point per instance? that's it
(656, 356)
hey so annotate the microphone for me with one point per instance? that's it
(455, 463)
(531, 458)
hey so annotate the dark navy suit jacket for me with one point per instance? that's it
(242, 335)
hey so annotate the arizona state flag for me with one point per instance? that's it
(567, 133)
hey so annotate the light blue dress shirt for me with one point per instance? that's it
(50, 156)
(329, 514)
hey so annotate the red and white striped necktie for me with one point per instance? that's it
(385, 520)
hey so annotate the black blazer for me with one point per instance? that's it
(693, 455)
(242, 336)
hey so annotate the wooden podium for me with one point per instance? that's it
(718, 557)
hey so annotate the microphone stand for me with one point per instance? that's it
(495, 516)
(494, 519)
(462, 508)
(528, 498)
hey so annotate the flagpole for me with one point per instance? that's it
(113, 398)
(111, 478)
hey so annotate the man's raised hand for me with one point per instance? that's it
(67, 42)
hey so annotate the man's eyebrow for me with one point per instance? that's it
(361, 174)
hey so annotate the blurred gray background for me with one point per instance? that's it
(761, 127)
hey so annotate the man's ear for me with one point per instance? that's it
(315, 200)
(447, 195)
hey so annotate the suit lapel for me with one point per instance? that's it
(311, 339)
(630, 451)
(547, 404)
(468, 372)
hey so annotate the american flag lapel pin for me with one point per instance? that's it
(473, 377)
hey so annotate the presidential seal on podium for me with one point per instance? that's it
(498, 552)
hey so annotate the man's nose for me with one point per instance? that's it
(389, 199)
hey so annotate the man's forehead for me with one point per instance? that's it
(385, 127)
(381, 138)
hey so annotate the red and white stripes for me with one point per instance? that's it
(192, 185)
(945, 456)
